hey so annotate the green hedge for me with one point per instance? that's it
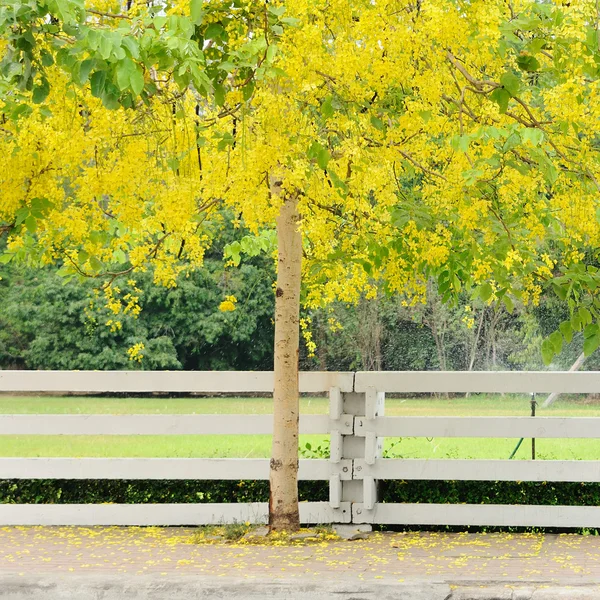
(89, 491)
(491, 492)
(60, 491)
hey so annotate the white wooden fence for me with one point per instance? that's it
(374, 425)
(356, 425)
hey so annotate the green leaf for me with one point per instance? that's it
(456, 284)
(214, 31)
(460, 142)
(585, 315)
(591, 344)
(47, 58)
(547, 351)
(119, 256)
(549, 171)
(327, 109)
(556, 339)
(271, 52)
(536, 45)
(31, 224)
(85, 69)
(591, 330)
(339, 184)
(378, 124)
(472, 176)
(137, 80)
(513, 140)
(124, 70)
(510, 305)
(485, 292)
(501, 97)
(98, 83)
(248, 90)
(527, 62)
(367, 266)
(561, 291)
(535, 136)
(105, 47)
(323, 158)
(95, 264)
(567, 331)
(227, 66)
(21, 215)
(219, 94)
(110, 101)
(278, 11)
(40, 92)
(131, 44)
(511, 83)
(232, 252)
(197, 11)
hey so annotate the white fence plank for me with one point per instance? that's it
(165, 381)
(151, 424)
(162, 468)
(160, 514)
(480, 470)
(479, 514)
(479, 381)
(483, 427)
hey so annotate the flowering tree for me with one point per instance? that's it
(388, 142)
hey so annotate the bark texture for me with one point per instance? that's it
(283, 502)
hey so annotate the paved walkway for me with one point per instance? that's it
(455, 558)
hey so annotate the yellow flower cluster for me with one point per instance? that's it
(307, 336)
(229, 304)
(136, 352)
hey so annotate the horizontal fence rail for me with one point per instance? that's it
(479, 470)
(492, 515)
(161, 514)
(162, 468)
(481, 427)
(151, 424)
(505, 382)
(206, 382)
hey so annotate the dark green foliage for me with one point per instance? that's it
(87, 491)
(490, 492)
(205, 338)
(47, 323)
(160, 492)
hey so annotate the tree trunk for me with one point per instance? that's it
(283, 501)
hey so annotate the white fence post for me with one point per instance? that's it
(342, 469)
(373, 449)
(345, 409)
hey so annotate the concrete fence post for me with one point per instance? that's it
(347, 448)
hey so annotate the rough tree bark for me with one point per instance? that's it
(283, 501)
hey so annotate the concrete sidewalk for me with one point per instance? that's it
(73, 563)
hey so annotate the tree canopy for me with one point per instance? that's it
(443, 139)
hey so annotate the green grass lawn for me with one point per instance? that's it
(256, 446)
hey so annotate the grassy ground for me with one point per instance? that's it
(254, 446)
